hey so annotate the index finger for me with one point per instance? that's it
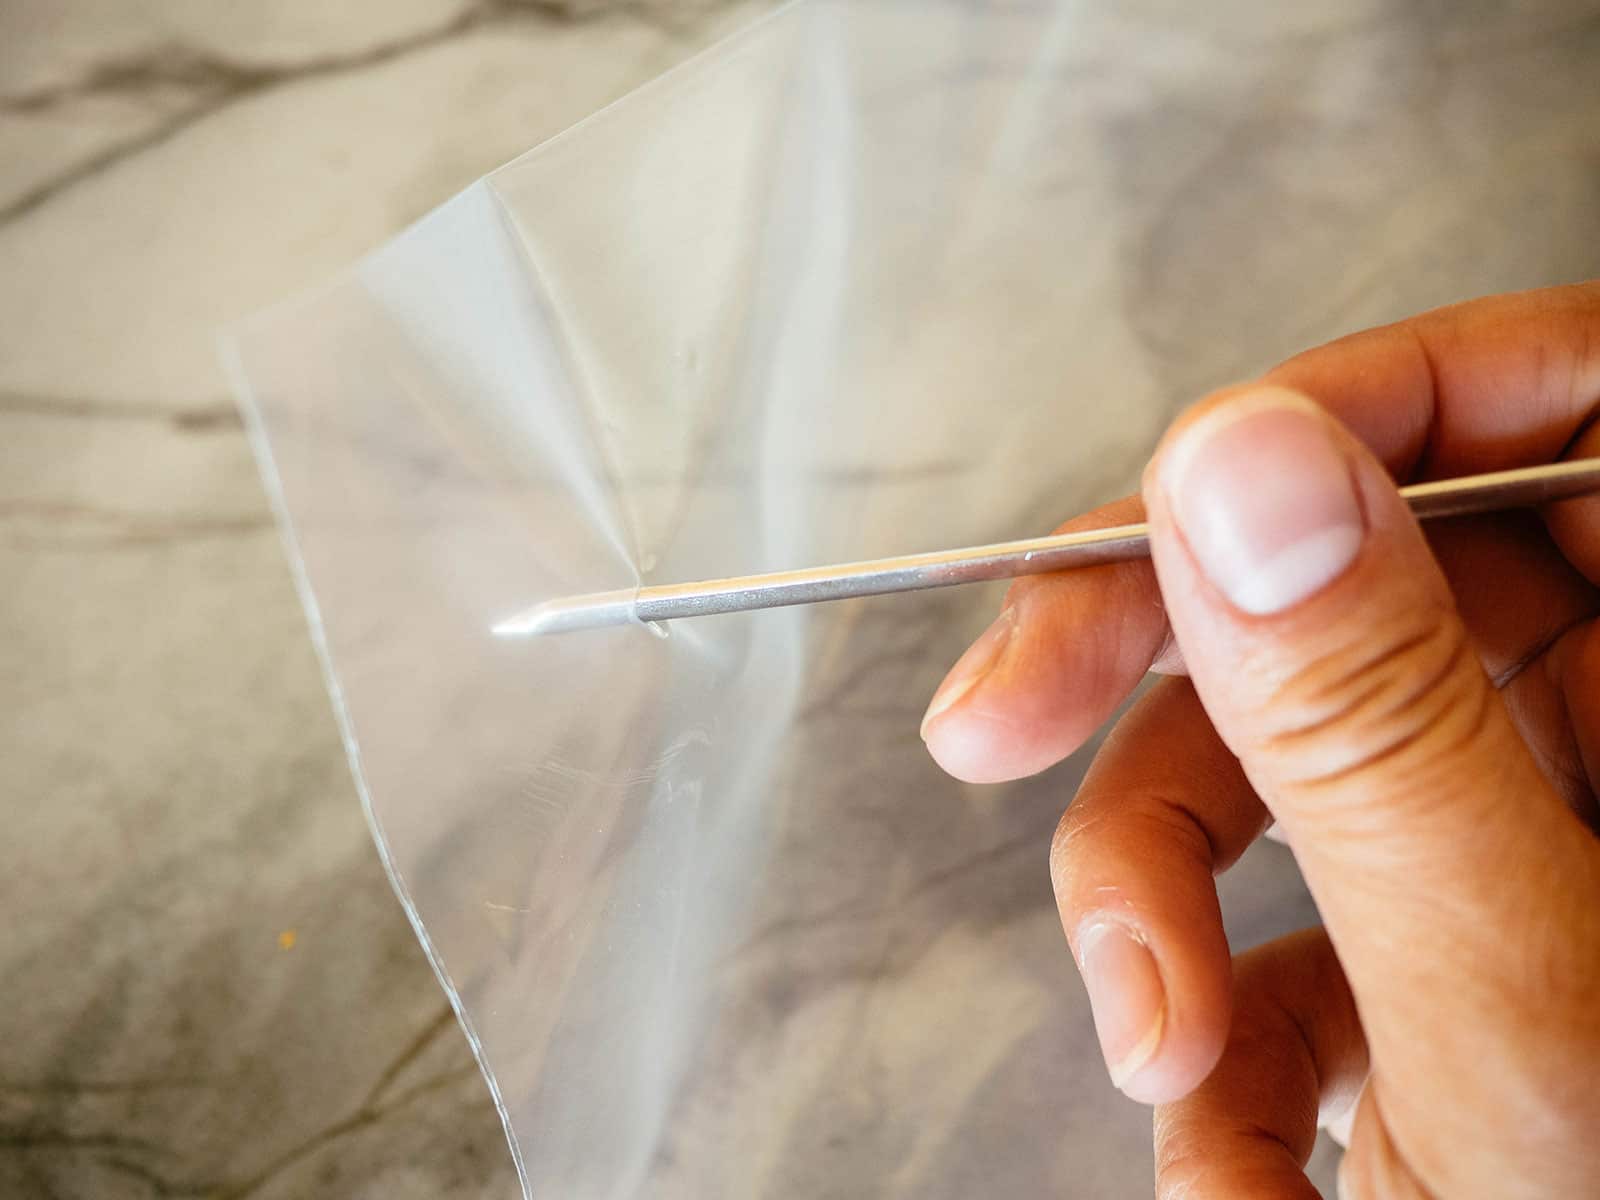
(1492, 383)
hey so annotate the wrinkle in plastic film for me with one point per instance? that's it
(827, 292)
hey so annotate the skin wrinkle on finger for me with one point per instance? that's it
(1514, 588)
(1575, 524)
(1571, 668)
(1161, 815)
(1109, 899)
(1514, 670)
(1519, 596)
(1375, 1169)
(1539, 709)
(1423, 703)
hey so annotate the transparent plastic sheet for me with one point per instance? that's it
(714, 923)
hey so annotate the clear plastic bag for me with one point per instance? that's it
(715, 924)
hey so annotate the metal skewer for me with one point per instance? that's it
(1002, 560)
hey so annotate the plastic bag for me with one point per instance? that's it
(714, 923)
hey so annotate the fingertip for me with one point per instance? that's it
(1185, 1045)
(1000, 715)
(1040, 681)
(1169, 1080)
(1158, 978)
(1005, 727)
(973, 747)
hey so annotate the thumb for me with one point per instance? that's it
(1326, 647)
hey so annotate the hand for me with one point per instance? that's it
(1421, 717)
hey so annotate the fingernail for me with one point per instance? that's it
(971, 667)
(1265, 501)
(1125, 994)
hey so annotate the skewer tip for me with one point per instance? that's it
(568, 614)
(525, 624)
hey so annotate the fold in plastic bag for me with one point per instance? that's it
(714, 923)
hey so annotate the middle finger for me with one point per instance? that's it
(1164, 807)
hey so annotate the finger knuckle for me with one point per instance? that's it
(1183, 1178)
(1185, 1154)
(1209, 1160)
(1141, 828)
(1079, 829)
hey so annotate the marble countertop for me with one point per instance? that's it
(210, 988)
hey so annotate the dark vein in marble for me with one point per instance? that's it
(152, 1179)
(892, 640)
(175, 65)
(82, 1087)
(855, 910)
(409, 1054)
(45, 1190)
(125, 529)
(370, 1111)
(205, 418)
(218, 82)
(23, 1137)
(1498, 43)
(362, 1118)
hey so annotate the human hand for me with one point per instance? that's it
(1421, 717)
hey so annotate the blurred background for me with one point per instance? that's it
(209, 989)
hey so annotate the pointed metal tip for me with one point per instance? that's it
(524, 624)
(570, 613)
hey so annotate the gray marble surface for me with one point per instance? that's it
(210, 989)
